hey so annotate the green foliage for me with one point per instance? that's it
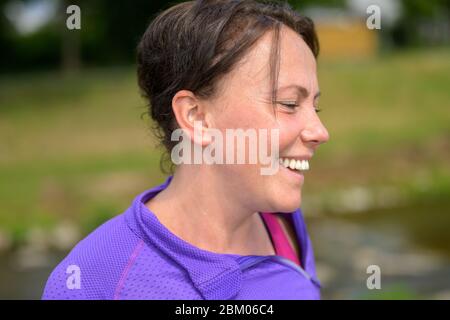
(74, 148)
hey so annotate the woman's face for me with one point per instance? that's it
(243, 101)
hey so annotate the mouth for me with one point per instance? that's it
(295, 165)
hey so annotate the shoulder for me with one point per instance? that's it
(92, 270)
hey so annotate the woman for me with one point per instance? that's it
(214, 230)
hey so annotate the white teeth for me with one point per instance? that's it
(301, 165)
(292, 164)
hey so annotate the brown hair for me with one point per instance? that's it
(192, 44)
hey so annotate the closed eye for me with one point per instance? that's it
(294, 104)
(290, 105)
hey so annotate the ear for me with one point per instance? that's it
(189, 112)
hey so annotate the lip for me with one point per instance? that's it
(305, 157)
(294, 175)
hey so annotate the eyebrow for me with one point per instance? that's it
(302, 90)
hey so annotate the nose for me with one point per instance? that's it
(314, 132)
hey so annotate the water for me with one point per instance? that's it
(23, 275)
(409, 244)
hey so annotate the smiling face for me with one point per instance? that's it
(244, 100)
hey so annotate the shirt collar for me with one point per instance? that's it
(216, 276)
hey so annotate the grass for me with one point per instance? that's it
(71, 147)
(384, 103)
(77, 148)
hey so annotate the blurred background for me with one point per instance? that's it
(76, 145)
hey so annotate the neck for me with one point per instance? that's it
(200, 209)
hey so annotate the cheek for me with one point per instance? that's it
(290, 127)
(237, 116)
(242, 111)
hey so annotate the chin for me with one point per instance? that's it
(286, 204)
(288, 208)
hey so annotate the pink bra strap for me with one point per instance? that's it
(281, 243)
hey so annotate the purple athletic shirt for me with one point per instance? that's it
(134, 256)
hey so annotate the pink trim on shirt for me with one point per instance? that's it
(280, 241)
(125, 272)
